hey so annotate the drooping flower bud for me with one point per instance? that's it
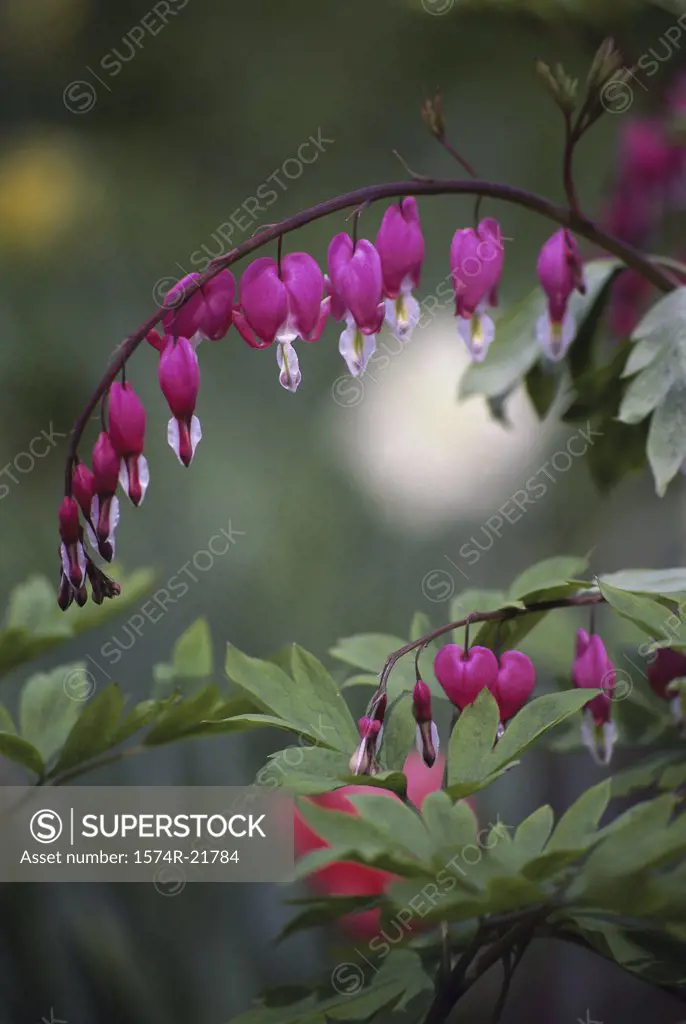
(463, 676)
(72, 555)
(356, 283)
(427, 733)
(207, 313)
(400, 245)
(104, 512)
(127, 433)
(560, 272)
(83, 487)
(282, 304)
(476, 265)
(514, 683)
(363, 761)
(592, 669)
(179, 377)
(667, 666)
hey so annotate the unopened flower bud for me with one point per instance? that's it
(427, 733)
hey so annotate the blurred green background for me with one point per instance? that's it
(110, 181)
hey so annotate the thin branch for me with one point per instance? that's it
(571, 139)
(462, 980)
(372, 193)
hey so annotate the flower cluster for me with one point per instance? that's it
(282, 301)
(463, 674)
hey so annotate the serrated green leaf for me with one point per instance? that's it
(313, 706)
(311, 678)
(396, 820)
(369, 651)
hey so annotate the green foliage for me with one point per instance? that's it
(34, 624)
(657, 367)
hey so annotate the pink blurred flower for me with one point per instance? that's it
(346, 878)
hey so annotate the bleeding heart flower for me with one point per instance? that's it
(514, 683)
(127, 433)
(592, 669)
(476, 265)
(667, 666)
(73, 557)
(179, 377)
(281, 305)
(463, 677)
(104, 511)
(206, 314)
(560, 272)
(400, 245)
(427, 733)
(356, 283)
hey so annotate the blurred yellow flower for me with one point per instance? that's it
(42, 189)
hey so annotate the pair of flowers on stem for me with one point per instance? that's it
(510, 677)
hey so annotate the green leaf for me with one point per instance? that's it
(535, 719)
(649, 388)
(549, 574)
(646, 613)
(185, 718)
(6, 721)
(399, 734)
(399, 981)
(450, 825)
(313, 705)
(397, 820)
(471, 743)
(46, 714)
(369, 651)
(21, 752)
(543, 382)
(533, 833)
(311, 677)
(93, 730)
(420, 626)
(666, 448)
(312, 770)
(140, 716)
(580, 821)
(648, 581)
